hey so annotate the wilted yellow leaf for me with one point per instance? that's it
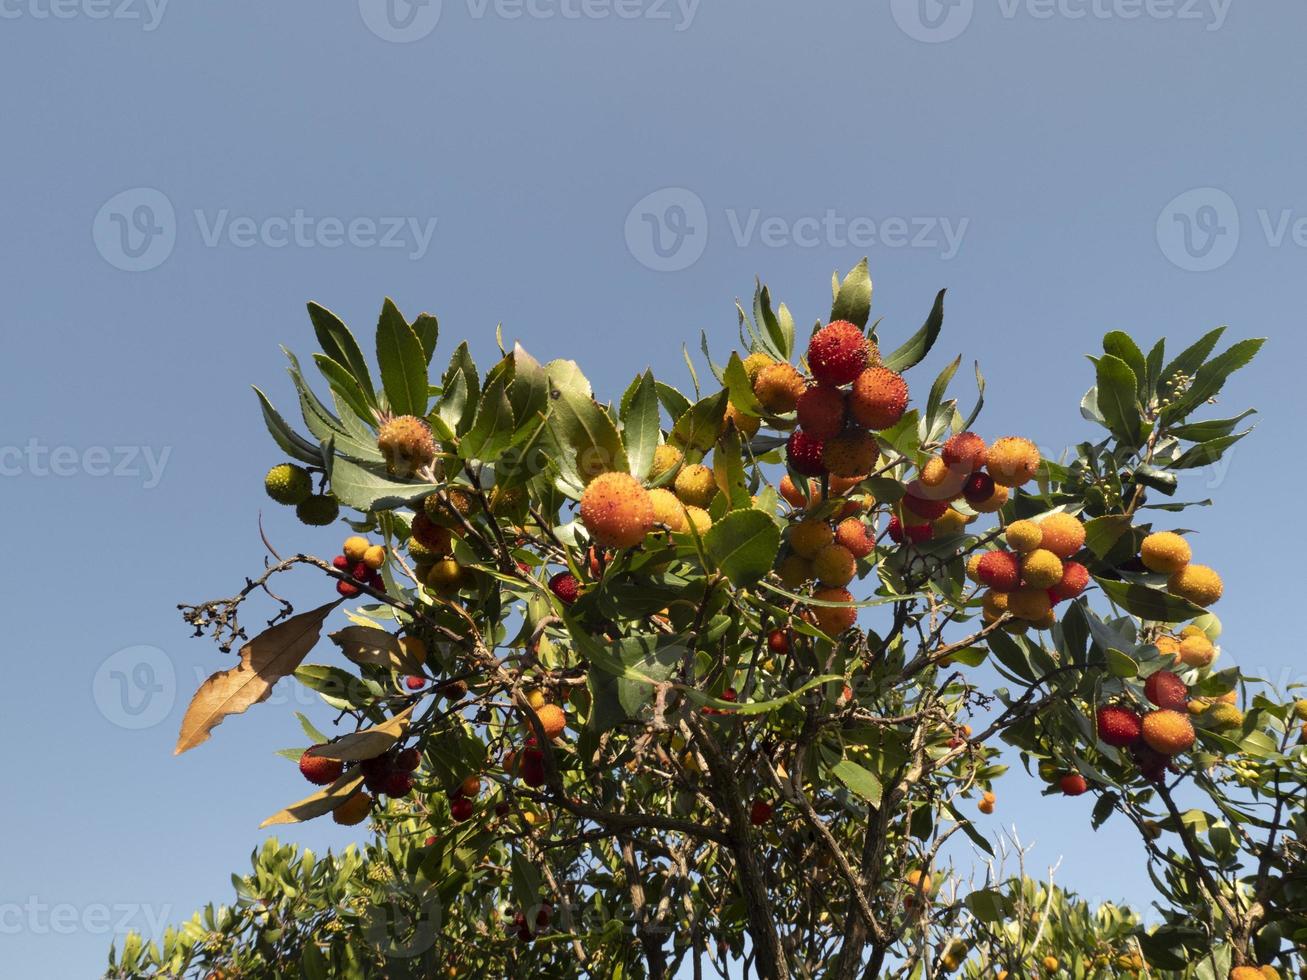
(375, 647)
(323, 801)
(266, 659)
(367, 744)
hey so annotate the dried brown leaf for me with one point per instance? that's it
(375, 647)
(323, 801)
(369, 743)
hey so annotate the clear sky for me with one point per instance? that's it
(180, 178)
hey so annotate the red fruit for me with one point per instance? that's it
(978, 488)
(837, 353)
(341, 563)
(1073, 784)
(431, 534)
(1000, 570)
(821, 411)
(409, 760)
(878, 398)
(432, 840)
(415, 683)
(501, 809)
(320, 771)
(461, 808)
(1075, 579)
(523, 930)
(1119, 726)
(1152, 764)
(533, 767)
(544, 915)
(803, 452)
(566, 587)
(348, 589)
(397, 783)
(916, 533)
(760, 813)
(729, 694)
(778, 641)
(375, 580)
(360, 572)
(930, 510)
(1166, 690)
(376, 771)
(965, 451)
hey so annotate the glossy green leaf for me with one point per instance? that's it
(914, 351)
(403, 363)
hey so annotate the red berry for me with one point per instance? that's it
(461, 808)
(533, 767)
(1118, 726)
(409, 759)
(360, 572)
(778, 641)
(320, 771)
(760, 813)
(821, 411)
(1000, 570)
(1075, 579)
(803, 453)
(729, 694)
(1073, 784)
(837, 353)
(341, 563)
(415, 683)
(916, 533)
(1166, 690)
(432, 840)
(930, 510)
(978, 488)
(397, 783)
(566, 587)
(348, 589)
(544, 915)
(965, 451)
(501, 809)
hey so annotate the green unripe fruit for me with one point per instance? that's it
(288, 484)
(1300, 709)
(318, 511)
(1223, 716)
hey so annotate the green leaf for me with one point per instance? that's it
(1102, 533)
(744, 545)
(1192, 357)
(1120, 664)
(779, 329)
(346, 386)
(853, 299)
(587, 436)
(1211, 377)
(988, 905)
(916, 348)
(640, 425)
(290, 442)
(728, 469)
(427, 328)
(339, 344)
(860, 781)
(367, 489)
(494, 428)
(526, 883)
(1118, 400)
(1155, 366)
(741, 393)
(1206, 453)
(939, 389)
(1122, 346)
(699, 427)
(1207, 431)
(617, 699)
(1149, 603)
(1158, 479)
(403, 363)
(461, 390)
(968, 828)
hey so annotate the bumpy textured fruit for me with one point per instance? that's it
(952, 522)
(552, 719)
(445, 577)
(973, 567)
(793, 495)
(374, 557)
(1300, 709)
(1041, 569)
(965, 452)
(1166, 690)
(668, 509)
(1029, 604)
(754, 363)
(318, 511)
(1013, 461)
(1197, 583)
(978, 488)
(1168, 732)
(808, 537)
(698, 518)
(666, 458)
(288, 484)
(994, 503)
(778, 387)
(803, 452)
(1024, 536)
(993, 605)
(355, 547)
(1063, 534)
(820, 411)
(1165, 552)
(354, 810)
(849, 454)
(794, 571)
(1119, 726)
(695, 485)
(1223, 717)
(927, 509)
(1073, 784)
(435, 537)
(934, 473)
(915, 533)
(1247, 973)
(1000, 570)
(834, 565)
(320, 771)
(1075, 579)
(833, 620)
(565, 586)
(405, 443)
(1168, 645)
(837, 353)
(1197, 651)
(878, 398)
(617, 511)
(746, 425)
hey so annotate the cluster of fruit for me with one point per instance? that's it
(1166, 553)
(528, 764)
(1154, 736)
(361, 560)
(390, 773)
(292, 486)
(1034, 573)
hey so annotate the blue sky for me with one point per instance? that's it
(605, 178)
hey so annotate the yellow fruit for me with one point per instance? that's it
(699, 519)
(668, 509)
(414, 649)
(1168, 646)
(1270, 972)
(1247, 973)
(1197, 583)
(935, 472)
(552, 719)
(354, 810)
(754, 363)
(1168, 732)
(695, 485)
(1013, 461)
(794, 496)
(973, 566)
(1197, 651)
(445, 576)
(834, 620)
(746, 425)
(405, 443)
(1041, 569)
(1051, 964)
(995, 503)
(1064, 535)
(535, 697)
(834, 565)
(616, 510)
(852, 453)
(1300, 709)
(354, 548)
(794, 571)
(994, 605)
(985, 806)
(917, 881)
(666, 458)
(1223, 717)
(952, 522)
(778, 387)
(1165, 551)
(1029, 604)
(374, 557)
(1024, 536)
(809, 537)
